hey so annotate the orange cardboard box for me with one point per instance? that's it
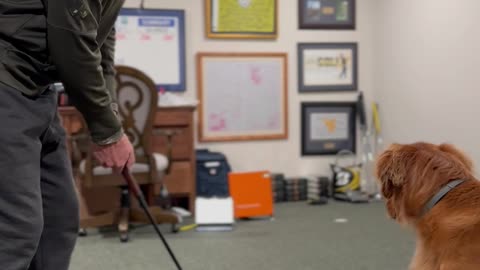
(252, 194)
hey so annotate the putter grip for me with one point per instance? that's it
(361, 110)
(132, 183)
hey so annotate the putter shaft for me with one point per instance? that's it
(135, 188)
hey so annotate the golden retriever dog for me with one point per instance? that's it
(431, 188)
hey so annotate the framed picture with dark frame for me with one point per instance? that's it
(328, 127)
(327, 14)
(324, 67)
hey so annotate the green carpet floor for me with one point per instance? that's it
(301, 237)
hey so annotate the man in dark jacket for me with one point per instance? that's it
(42, 42)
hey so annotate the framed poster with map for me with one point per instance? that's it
(243, 96)
(327, 14)
(328, 127)
(241, 19)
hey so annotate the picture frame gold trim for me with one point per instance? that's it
(241, 35)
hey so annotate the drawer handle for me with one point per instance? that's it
(166, 132)
(169, 133)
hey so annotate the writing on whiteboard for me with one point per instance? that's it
(255, 75)
(217, 122)
(242, 96)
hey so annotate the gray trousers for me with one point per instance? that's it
(39, 215)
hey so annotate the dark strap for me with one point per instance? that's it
(439, 196)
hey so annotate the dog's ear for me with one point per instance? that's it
(456, 153)
(387, 188)
(391, 168)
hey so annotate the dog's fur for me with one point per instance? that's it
(448, 236)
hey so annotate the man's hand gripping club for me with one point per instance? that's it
(117, 155)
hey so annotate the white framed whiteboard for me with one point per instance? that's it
(153, 41)
(243, 96)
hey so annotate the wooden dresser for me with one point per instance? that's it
(181, 180)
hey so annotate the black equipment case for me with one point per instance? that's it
(212, 174)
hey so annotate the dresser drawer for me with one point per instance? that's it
(182, 144)
(173, 118)
(180, 179)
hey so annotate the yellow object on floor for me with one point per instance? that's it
(188, 227)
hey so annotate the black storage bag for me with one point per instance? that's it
(212, 174)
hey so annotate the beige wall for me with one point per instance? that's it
(427, 76)
(280, 156)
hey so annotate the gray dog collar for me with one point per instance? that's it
(439, 196)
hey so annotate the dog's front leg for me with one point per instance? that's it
(448, 266)
(422, 261)
(456, 265)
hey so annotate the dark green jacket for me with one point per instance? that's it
(68, 41)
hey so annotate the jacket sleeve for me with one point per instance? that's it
(72, 41)
(108, 64)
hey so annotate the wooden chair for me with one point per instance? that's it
(137, 99)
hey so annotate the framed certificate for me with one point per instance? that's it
(326, 14)
(241, 19)
(328, 127)
(327, 67)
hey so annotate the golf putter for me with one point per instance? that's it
(367, 154)
(135, 188)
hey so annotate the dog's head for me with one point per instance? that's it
(410, 174)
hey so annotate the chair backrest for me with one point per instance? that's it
(137, 101)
